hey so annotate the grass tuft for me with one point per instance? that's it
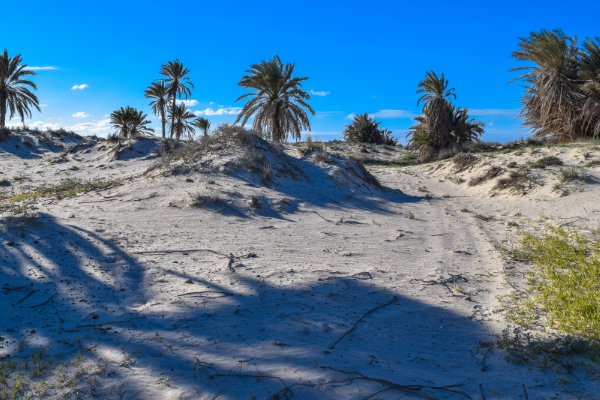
(545, 162)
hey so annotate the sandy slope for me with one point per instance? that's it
(164, 298)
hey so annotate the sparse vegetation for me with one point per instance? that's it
(67, 187)
(512, 164)
(491, 173)
(463, 160)
(204, 199)
(517, 182)
(255, 202)
(546, 162)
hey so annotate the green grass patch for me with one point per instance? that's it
(563, 287)
(66, 188)
(592, 163)
(545, 162)
(409, 159)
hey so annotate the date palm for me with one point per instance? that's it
(182, 124)
(552, 103)
(157, 91)
(178, 85)
(130, 123)
(14, 94)
(279, 103)
(203, 124)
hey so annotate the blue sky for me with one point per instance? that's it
(360, 56)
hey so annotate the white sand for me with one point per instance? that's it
(300, 278)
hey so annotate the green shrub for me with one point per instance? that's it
(545, 162)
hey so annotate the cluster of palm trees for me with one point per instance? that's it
(441, 124)
(364, 129)
(562, 100)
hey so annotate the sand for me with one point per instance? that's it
(133, 292)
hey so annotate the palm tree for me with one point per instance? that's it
(14, 94)
(441, 124)
(203, 124)
(364, 129)
(278, 103)
(181, 123)
(158, 92)
(552, 102)
(130, 123)
(177, 82)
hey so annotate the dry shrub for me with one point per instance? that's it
(267, 174)
(491, 173)
(548, 161)
(463, 160)
(255, 202)
(517, 182)
(204, 199)
(356, 167)
(4, 134)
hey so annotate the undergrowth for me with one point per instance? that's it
(66, 188)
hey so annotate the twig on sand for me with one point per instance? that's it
(525, 390)
(440, 281)
(205, 292)
(25, 298)
(20, 288)
(106, 323)
(360, 320)
(321, 216)
(481, 391)
(483, 368)
(44, 303)
(179, 251)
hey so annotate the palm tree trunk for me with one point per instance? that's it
(2, 112)
(173, 115)
(163, 120)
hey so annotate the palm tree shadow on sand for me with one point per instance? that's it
(75, 294)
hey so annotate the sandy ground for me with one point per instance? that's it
(132, 292)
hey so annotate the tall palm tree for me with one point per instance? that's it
(552, 102)
(14, 94)
(177, 84)
(182, 124)
(130, 123)
(437, 119)
(278, 103)
(158, 92)
(203, 124)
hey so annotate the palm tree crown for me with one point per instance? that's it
(177, 84)
(203, 124)
(130, 123)
(434, 88)
(279, 104)
(158, 92)
(14, 95)
(181, 123)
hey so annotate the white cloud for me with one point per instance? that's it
(319, 93)
(80, 114)
(220, 111)
(394, 114)
(324, 114)
(351, 116)
(40, 68)
(90, 128)
(106, 116)
(492, 111)
(80, 87)
(212, 102)
(188, 103)
(43, 105)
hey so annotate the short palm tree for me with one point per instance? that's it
(364, 129)
(14, 94)
(130, 123)
(177, 84)
(203, 124)
(157, 91)
(182, 124)
(552, 102)
(279, 103)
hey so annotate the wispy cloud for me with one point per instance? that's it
(188, 103)
(394, 114)
(43, 105)
(351, 116)
(80, 114)
(220, 111)
(319, 93)
(40, 68)
(323, 114)
(492, 111)
(80, 87)
(101, 127)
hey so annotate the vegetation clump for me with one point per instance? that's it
(463, 160)
(563, 286)
(491, 173)
(546, 162)
(66, 188)
(364, 129)
(517, 182)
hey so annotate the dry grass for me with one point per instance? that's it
(546, 162)
(255, 202)
(463, 160)
(204, 199)
(491, 173)
(517, 182)
(66, 188)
